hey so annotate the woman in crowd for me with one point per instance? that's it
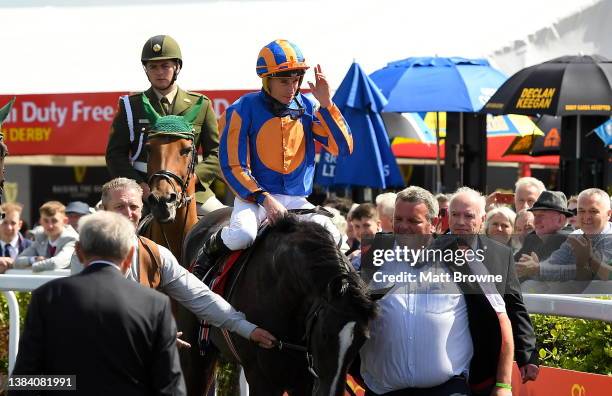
(499, 225)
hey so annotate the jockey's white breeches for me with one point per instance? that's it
(247, 217)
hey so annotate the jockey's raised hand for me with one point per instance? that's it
(320, 88)
(274, 209)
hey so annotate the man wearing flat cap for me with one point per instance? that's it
(550, 221)
(75, 210)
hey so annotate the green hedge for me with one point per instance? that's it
(23, 298)
(574, 344)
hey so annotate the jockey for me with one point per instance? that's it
(267, 148)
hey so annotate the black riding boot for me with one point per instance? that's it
(212, 250)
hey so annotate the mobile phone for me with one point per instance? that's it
(505, 198)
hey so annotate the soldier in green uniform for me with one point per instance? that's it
(125, 153)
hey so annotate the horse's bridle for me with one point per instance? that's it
(311, 319)
(183, 183)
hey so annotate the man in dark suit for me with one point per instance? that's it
(114, 335)
(11, 241)
(466, 219)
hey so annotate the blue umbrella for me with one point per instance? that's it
(423, 84)
(372, 163)
(434, 84)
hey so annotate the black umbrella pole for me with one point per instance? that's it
(438, 166)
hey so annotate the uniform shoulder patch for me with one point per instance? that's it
(134, 97)
(198, 95)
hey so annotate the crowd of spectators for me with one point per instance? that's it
(533, 222)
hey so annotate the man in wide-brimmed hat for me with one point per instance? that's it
(585, 255)
(550, 221)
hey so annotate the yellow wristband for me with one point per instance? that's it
(503, 385)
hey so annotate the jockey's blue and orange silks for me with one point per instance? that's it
(262, 153)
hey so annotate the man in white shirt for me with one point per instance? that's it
(421, 340)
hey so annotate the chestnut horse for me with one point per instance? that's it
(172, 181)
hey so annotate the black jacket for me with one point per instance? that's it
(543, 249)
(116, 336)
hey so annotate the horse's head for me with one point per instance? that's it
(336, 306)
(171, 161)
(337, 327)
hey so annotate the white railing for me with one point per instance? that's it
(570, 306)
(548, 304)
(21, 280)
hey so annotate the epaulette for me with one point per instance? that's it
(198, 95)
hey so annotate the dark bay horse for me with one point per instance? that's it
(300, 287)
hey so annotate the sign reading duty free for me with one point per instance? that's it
(72, 123)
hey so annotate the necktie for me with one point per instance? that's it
(7, 250)
(51, 251)
(165, 103)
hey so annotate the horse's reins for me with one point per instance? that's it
(311, 318)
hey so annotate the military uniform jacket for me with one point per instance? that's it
(122, 151)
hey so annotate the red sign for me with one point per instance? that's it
(496, 146)
(559, 382)
(74, 123)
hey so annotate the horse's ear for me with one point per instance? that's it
(193, 112)
(6, 109)
(152, 115)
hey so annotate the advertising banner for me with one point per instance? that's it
(72, 123)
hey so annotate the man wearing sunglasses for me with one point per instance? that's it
(267, 147)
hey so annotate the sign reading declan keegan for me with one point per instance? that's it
(535, 98)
